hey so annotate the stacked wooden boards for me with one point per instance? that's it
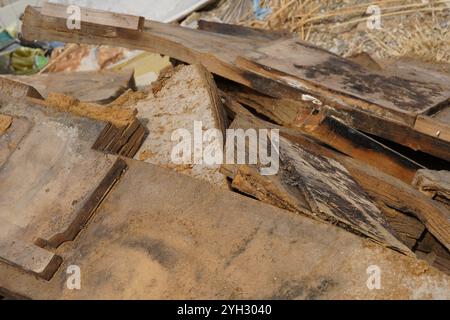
(410, 112)
(329, 171)
(144, 243)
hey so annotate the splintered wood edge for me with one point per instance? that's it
(432, 127)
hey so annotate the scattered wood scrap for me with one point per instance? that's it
(326, 128)
(393, 197)
(84, 159)
(98, 86)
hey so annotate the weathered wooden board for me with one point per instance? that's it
(327, 129)
(204, 243)
(386, 190)
(390, 102)
(104, 18)
(50, 183)
(316, 186)
(435, 184)
(84, 86)
(394, 95)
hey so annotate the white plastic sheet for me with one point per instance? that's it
(157, 10)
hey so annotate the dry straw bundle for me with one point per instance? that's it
(412, 28)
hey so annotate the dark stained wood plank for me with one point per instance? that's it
(316, 186)
(327, 129)
(386, 190)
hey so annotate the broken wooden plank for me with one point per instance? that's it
(434, 184)
(98, 86)
(389, 100)
(305, 117)
(104, 18)
(316, 186)
(386, 190)
(144, 235)
(400, 196)
(117, 116)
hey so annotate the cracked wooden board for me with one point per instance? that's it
(50, 183)
(327, 129)
(209, 244)
(400, 98)
(316, 186)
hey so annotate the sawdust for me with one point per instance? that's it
(5, 123)
(128, 99)
(111, 113)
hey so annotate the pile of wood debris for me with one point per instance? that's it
(87, 176)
